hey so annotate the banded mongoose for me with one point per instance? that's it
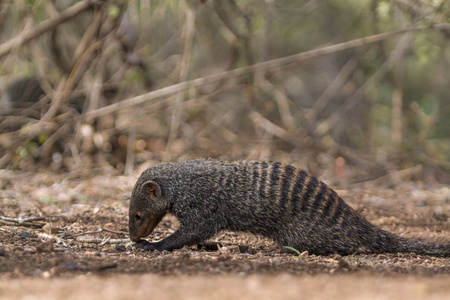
(269, 198)
(24, 92)
(20, 93)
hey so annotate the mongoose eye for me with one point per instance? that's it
(137, 216)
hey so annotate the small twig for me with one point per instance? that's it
(131, 144)
(282, 102)
(7, 223)
(184, 71)
(332, 89)
(435, 162)
(46, 146)
(98, 231)
(85, 233)
(5, 159)
(396, 175)
(21, 220)
(89, 36)
(27, 224)
(276, 130)
(114, 231)
(103, 241)
(56, 100)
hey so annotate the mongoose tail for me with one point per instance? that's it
(423, 248)
(272, 199)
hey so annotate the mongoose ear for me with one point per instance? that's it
(152, 188)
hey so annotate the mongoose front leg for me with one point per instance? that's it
(177, 240)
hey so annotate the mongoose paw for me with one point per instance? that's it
(144, 245)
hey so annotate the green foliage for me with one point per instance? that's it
(47, 200)
(113, 11)
(27, 149)
(293, 250)
(134, 76)
(42, 139)
(80, 197)
(30, 2)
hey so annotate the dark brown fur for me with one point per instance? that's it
(272, 199)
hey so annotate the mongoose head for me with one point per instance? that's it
(147, 207)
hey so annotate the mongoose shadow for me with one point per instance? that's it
(275, 200)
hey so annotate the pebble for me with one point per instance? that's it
(343, 264)
(44, 247)
(234, 249)
(26, 234)
(121, 248)
(49, 229)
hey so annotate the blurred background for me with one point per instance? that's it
(115, 86)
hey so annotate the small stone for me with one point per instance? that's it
(234, 249)
(29, 250)
(337, 257)
(185, 256)
(106, 266)
(343, 264)
(48, 229)
(70, 266)
(121, 248)
(224, 250)
(26, 234)
(44, 247)
(243, 248)
(46, 274)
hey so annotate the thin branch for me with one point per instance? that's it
(394, 176)
(98, 231)
(45, 148)
(89, 36)
(85, 233)
(115, 231)
(22, 220)
(104, 241)
(131, 144)
(332, 89)
(282, 102)
(182, 86)
(45, 26)
(184, 64)
(336, 116)
(274, 129)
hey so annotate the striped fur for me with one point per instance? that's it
(272, 199)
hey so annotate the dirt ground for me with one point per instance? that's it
(62, 236)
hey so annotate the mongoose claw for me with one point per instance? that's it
(144, 245)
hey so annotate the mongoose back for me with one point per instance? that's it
(269, 198)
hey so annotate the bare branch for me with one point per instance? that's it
(45, 26)
(182, 86)
(22, 220)
(274, 129)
